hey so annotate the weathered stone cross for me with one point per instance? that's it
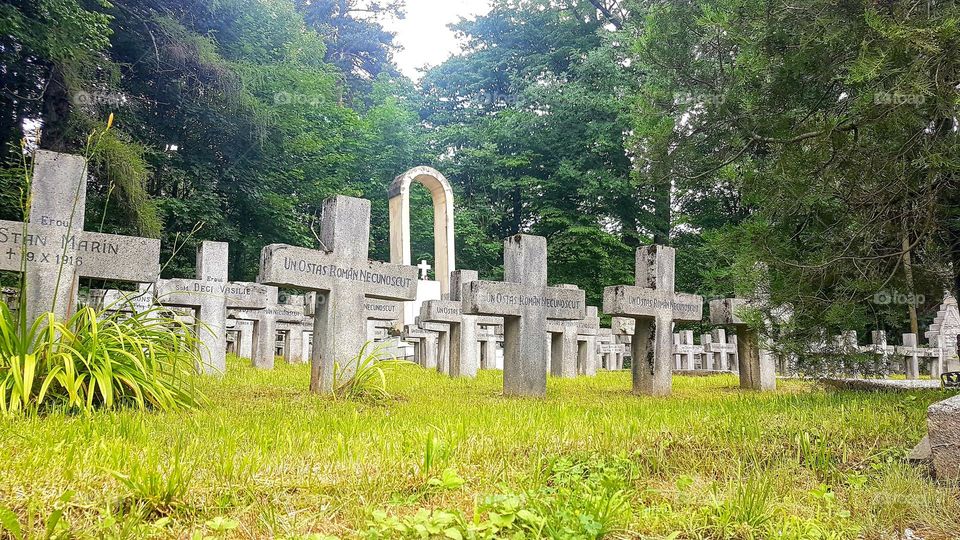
(211, 295)
(757, 371)
(653, 302)
(525, 302)
(464, 329)
(58, 251)
(343, 277)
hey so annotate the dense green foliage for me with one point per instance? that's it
(818, 138)
(96, 360)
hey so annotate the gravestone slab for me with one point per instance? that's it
(943, 425)
(525, 302)
(343, 277)
(653, 303)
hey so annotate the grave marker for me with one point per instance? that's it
(464, 329)
(211, 295)
(757, 371)
(525, 302)
(57, 251)
(653, 303)
(343, 277)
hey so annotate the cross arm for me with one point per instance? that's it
(634, 302)
(447, 311)
(289, 266)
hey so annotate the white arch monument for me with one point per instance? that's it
(443, 237)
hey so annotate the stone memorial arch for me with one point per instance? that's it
(443, 240)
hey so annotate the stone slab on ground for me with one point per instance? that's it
(881, 385)
(701, 372)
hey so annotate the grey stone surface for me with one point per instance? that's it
(343, 277)
(895, 385)
(654, 304)
(205, 295)
(440, 344)
(757, 371)
(723, 350)
(943, 425)
(921, 453)
(464, 329)
(587, 330)
(943, 333)
(525, 302)
(58, 251)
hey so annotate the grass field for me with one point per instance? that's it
(453, 458)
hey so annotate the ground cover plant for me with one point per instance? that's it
(452, 458)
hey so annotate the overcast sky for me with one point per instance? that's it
(424, 35)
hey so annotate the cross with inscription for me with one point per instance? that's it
(525, 302)
(56, 252)
(654, 304)
(464, 329)
(211, 295)
(343, 277)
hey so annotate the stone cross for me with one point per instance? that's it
(722, 350)
(878, 347)
(267, 322)
(55, 251)
(424, 269)
(525, 302)
(757, 371)
(441, 344)
(686, 350)
(420, 338)
(464, 329)
(343, 276)
(587, 330)
(563, 344)
(211, 295)
(653, 303)
(913, 353)
(490, 336)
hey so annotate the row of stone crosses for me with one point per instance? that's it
(543, 329)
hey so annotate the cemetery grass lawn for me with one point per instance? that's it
(274, 460)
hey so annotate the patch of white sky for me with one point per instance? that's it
(424, 34)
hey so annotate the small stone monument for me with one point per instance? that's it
(525, 302)
(943, 333)
(343, 277)
(211, 295)
(653, 303)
